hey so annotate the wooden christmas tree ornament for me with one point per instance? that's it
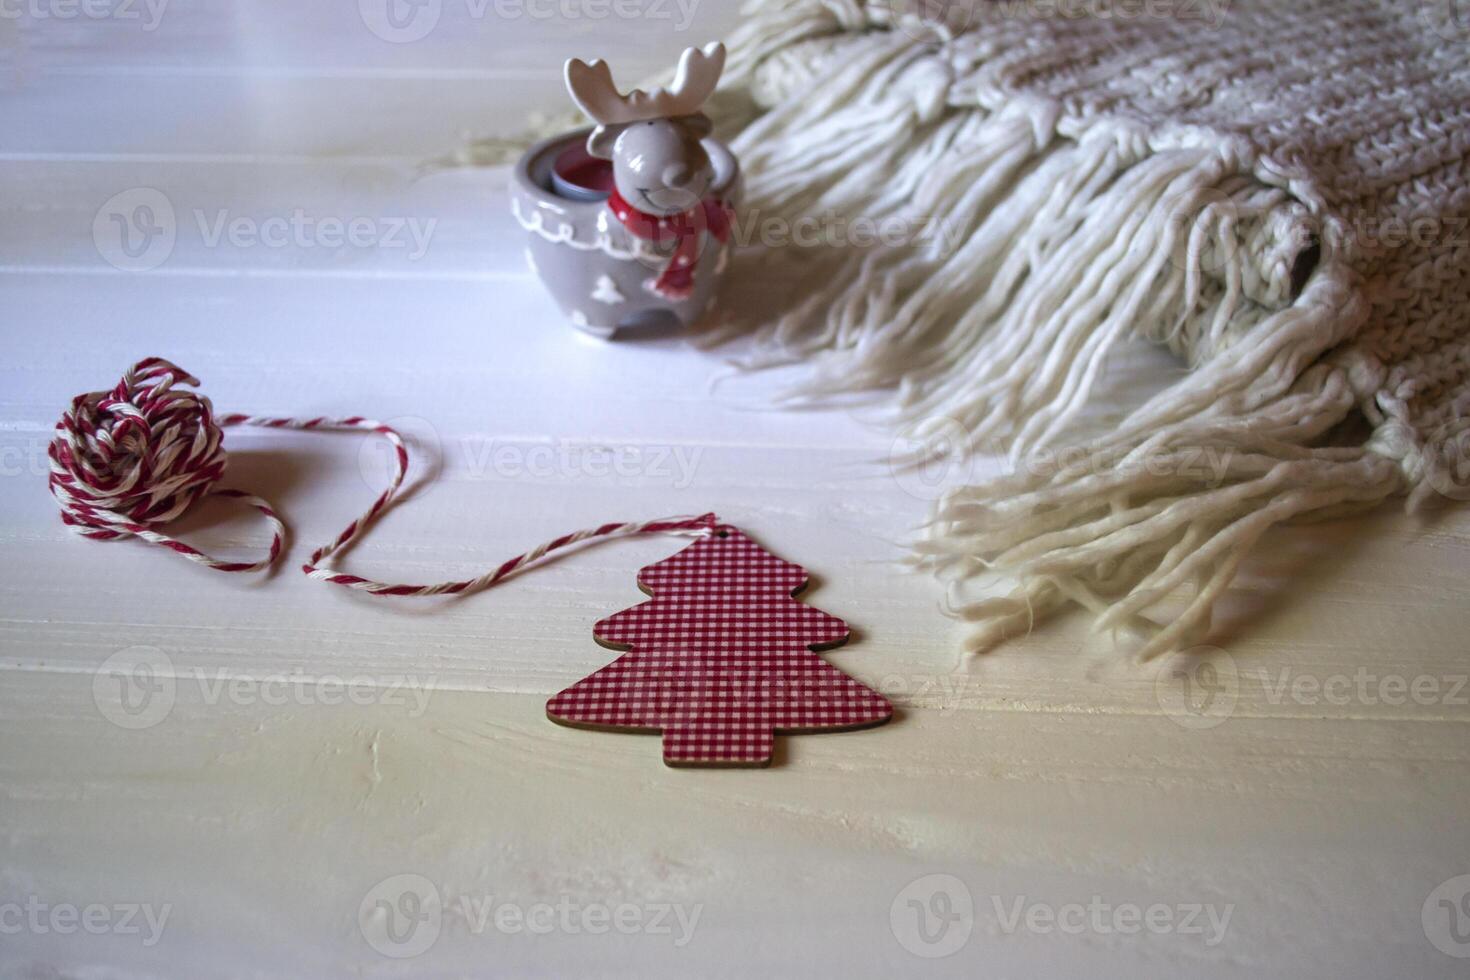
(721, 659)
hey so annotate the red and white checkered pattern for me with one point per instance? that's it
(721, 659)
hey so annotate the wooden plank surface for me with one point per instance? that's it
(1290, 804)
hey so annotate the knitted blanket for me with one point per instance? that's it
(1278, 192)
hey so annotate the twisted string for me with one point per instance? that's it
(127, 461)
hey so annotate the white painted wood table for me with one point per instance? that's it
(301, 749)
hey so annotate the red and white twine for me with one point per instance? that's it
(126, 462)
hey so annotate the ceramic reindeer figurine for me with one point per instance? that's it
(630, 222)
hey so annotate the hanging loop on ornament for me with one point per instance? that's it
(126, 462)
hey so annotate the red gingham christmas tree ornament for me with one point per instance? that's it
(721, 659)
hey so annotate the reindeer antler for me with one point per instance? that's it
(593, 90)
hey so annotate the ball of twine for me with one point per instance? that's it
(126, 461)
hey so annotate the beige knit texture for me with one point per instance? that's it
(1277, 191)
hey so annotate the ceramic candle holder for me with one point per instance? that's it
(630, 222)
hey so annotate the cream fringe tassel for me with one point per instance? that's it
(1046, 243)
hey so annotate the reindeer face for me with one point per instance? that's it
(653, 139)
(659, 165)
